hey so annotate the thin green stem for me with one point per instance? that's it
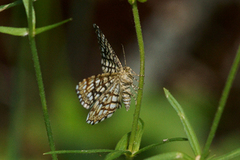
(222, 103)
(31, 26)
(132, 140)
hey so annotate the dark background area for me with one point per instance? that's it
(189, 45)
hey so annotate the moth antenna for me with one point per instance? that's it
(124, 55)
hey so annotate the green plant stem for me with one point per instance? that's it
(132, 139)
(222, 103)
(32, 42)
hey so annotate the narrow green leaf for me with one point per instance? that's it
(123, 143)
(160, 143)
(79, 151)
(7, 6)
(187, 127)
(170, 156)
(116, 154)
(14, 31)
(120, 148)
(222, 103)
(46, 28)
(24, 31)
(139, 134)
(230, 155)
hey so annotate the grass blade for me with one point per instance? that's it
(24, 31)
(187, 127)
(230, 155)
(14, 31)
(79, 151)
(123, 143)
(116, 154)
(222, 103)
(160, 143)
(7, 6)
(46, 28)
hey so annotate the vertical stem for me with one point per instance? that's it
(42, 96)
(222, 103)
(31, 26)
(132, 139)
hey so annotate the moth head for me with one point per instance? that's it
(127, 76)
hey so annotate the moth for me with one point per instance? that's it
(103, 94)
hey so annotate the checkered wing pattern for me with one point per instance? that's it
(110, 62)
(106, 105)
(90, 89)
(103, 94)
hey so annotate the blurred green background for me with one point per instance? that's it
(189, 46)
